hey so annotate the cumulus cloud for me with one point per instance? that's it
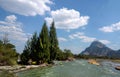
(81, 36)
(67, 19)
(111, 28)
(76, 35)
(105, 41)
(26, 7)
(87, 39)
(84, 38)
(61, 39)
(13, 29)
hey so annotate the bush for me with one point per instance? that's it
(5, 73)
(8, 54)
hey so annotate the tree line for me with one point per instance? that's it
(8, 54)
(44, 48)
(82, 56)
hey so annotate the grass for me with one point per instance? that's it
(4, 73)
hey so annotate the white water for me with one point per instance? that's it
(77, 68)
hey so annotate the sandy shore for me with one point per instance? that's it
(18, 68)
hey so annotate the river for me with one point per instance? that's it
(77, 68)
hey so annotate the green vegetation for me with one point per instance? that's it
(44, 48)
(81, 56)
(26, 53)
(8, 54)
(54, 48)
(5, 73)
(68, 53)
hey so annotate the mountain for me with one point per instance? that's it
(99, 49)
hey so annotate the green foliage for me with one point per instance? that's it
(44, 39)
(26, 53)
(54, 48)
(68, 53)
(34, 50)
(5, 73)
(61, 55)
(81, 56)
(37, 48)
(43, 49)
(8, 54)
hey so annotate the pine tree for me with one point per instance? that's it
(34, 50)
(30, 51)
(25, 56)
(54, 48)
(44, 44)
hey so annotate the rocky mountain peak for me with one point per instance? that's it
(98, 49)
(97, 44)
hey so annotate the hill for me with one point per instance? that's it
(100, 50)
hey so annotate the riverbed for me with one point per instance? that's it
(77, 68)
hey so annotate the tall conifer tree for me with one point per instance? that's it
(26, 53)
(34, 51)
(54, 47)
(44, 44)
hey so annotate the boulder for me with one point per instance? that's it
(117, 67)
(92, 61)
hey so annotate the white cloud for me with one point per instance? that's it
(76, 35)
(87, 39)
(67, 19)
(111, 28)
(26, 7)
(13, 29)
(81, 35)
(11, 18)
(61, 39)
(105, 41)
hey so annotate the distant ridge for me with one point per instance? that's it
(99, 49)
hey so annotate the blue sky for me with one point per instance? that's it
(78, 22)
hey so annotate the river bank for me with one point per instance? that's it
(19, 68)
(10, 71)
(76, 68)
(5, 73)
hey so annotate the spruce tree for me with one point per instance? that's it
(54, 48)
(44, 54)
(30, 51)
(25, 56)
(34, 50)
